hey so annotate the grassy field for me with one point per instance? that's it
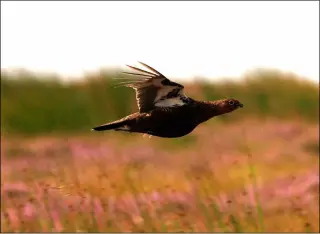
(254, 170)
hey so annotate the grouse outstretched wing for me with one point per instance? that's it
(155, 90)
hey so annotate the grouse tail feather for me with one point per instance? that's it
(110, 126)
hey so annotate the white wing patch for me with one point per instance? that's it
(170, 102)
(163, 92)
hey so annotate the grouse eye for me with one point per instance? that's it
(231, 103)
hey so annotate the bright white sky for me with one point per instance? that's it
(180, 39)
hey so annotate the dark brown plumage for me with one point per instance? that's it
(164, 110)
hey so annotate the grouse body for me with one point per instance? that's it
(164, 110)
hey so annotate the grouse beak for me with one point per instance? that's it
(240, 105)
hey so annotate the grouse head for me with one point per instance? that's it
(228, 105)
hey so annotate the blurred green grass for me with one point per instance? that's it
(31, 104)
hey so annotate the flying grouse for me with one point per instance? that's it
(164, 110)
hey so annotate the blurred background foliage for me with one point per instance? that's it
(40, 104)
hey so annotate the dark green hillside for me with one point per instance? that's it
(32, 105)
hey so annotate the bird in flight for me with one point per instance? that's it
(164, 110)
